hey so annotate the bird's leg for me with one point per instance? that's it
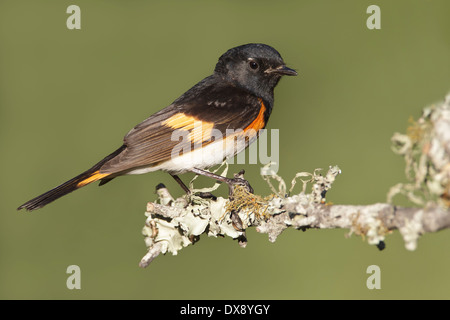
(181, 183)
(205, 195)
(237, 180)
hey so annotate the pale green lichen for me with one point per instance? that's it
(320, 184)
(426, 150)
(367, 224)
(173, 224)
(411, 231)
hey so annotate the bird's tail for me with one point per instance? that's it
(87, 177)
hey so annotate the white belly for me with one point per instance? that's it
(202, 157)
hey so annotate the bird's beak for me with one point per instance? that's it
(282, 70)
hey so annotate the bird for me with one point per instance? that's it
(189, 135)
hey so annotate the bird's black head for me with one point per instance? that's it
(255, 67)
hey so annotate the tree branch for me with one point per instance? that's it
(176, 223)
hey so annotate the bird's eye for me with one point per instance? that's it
(253, 65)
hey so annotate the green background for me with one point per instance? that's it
(67, 98)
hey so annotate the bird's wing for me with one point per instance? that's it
(187, 122)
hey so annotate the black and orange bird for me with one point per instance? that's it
(183, 137)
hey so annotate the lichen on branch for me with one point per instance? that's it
(425, 148)
(173, 224)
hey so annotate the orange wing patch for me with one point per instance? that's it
(94, 177)
(180, 121)
(200, 131)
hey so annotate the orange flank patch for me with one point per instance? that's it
(249, 133)
(259, 122)
(92, 178)
(200, 131)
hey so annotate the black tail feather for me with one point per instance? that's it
(67, 187)
(55, 193)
